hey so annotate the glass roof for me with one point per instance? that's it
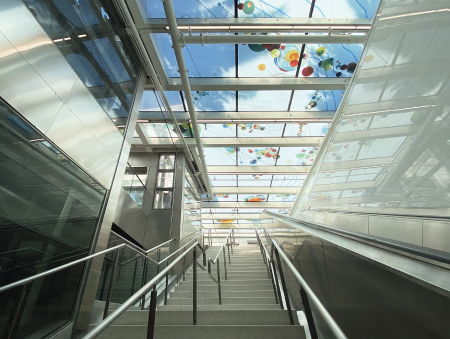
(185, 9)
(276, 101)
(261, 156)
(271, 63)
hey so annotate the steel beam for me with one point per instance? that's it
(240, 142)
(257, 84)
(255, 25)
(272, 39)
(276, 170)
(237, 204)
(256, 190)
(240, 216)
(243, 117)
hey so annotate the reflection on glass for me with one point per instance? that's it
(166, 162)
(191, 9)
(133, 185)
(49, 212)
(163, 200)
(164, 180)
(93, 41)
(151, 101)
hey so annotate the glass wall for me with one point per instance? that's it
(133, 185)
(91, 36)
(49, 210)
(192, 208)
(164, 182)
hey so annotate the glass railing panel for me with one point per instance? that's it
(39, 307)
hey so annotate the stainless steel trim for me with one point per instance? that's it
(334, 327)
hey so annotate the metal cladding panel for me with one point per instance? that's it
(39, 83)
(365, 299)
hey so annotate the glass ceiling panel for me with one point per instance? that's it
(191, 8)
(225, 221)
(288, 181)
(216, 61)
(260, 130)
(316, 100)
(215, 156)
(164, 43)
(297, 156)
(254, 180)
(223, 210)
(345, 9)
(306, 129)
(254, 60)
(225, 197)
(252, 197)
(273, 9)
(151, 103)
(224, 183)
(214, 101)
(254, 183)
(157, 130)
(282, 197)
(264, 100)
(217, 130)
(250, 210)
(263, 156)
(330, 60)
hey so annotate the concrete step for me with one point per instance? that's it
(229, 282)
(226, 288)
(219, 307)
(214, 294)
(226, 317)
(205, 277)
(205, 331)
(225, 301)
(234, 269)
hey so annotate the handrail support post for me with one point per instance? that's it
(152, 314)
(285, 291)
(111, 285)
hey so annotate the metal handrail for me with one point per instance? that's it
(96, 331)
(216, 262)
(334, 327)
(62, 267)
(271, 269)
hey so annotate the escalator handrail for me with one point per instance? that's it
(369, 239)
(334, 327)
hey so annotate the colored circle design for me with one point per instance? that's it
(249, 7)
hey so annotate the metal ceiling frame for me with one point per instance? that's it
(223, 117)
(348, 31)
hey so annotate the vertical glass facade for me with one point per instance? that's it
(49, 210)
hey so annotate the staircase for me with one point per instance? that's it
(248, 310)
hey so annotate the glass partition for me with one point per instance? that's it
(49, 210)
(133, 185)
